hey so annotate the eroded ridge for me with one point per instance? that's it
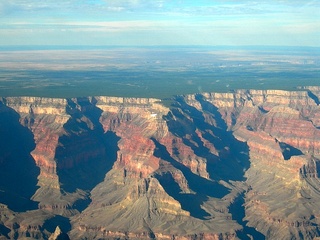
(242, 164)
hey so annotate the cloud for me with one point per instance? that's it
(106, 26)
(30, 7)
(302, 28)
(173, 21)
(173, 7)
(136, 4)
(7, 8)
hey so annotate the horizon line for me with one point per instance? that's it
(90, 47)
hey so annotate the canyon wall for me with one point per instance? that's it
(235, 165)
(282, 132)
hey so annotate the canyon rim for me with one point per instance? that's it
(236, 165)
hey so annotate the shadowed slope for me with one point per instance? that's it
(230, 156)
(83, 157)
(18, 172)
(237, 210)
(234, 159)
(201, 187)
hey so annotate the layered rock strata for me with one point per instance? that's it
(283, 139)
(235, 165)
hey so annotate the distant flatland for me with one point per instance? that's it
(159, 72)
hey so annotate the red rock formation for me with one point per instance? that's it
(155, 172)
(45, 118)
(279, 204)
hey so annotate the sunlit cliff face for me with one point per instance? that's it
(211, 166)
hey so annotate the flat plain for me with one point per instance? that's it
(158, 72)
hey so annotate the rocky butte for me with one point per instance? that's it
(236, 165)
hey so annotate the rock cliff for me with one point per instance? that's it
(283, 136)
(235, 165)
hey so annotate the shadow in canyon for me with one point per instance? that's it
(18, 171)
(314, 97)
(4, 231)
(227, 161)
(232, 159)
(189, 201)
(235, 161)
(82, 203)
(202, 188)
(289, 151)
(63, 223)
(238, 213)
(86, 153)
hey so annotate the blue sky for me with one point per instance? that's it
(160, 22)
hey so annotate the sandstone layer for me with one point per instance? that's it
(235, 165)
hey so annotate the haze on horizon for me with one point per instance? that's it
(160, 22)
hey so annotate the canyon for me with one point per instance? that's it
(237, 165)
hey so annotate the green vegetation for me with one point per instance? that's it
(152, 72)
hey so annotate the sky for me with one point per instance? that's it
(160, 22)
